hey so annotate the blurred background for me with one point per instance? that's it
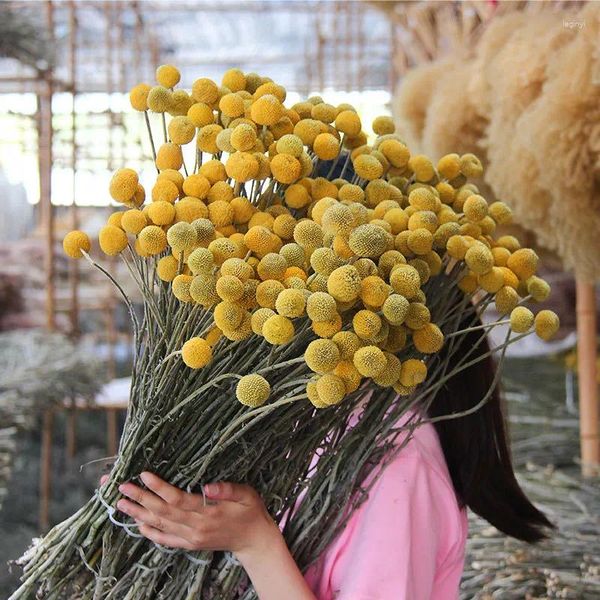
(517, 83)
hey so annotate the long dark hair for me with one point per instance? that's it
(476, 446)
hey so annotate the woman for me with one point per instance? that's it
(406, 542)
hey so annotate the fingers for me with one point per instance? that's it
(151, 519)
(103, 479)
(165, 539)
(232, 492)
(171, 494)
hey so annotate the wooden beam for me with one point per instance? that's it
(587, 350)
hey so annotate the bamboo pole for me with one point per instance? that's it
(588, 384)
(45, 468)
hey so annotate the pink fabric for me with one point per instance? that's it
(406, 541)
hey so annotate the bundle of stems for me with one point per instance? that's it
(189, 429)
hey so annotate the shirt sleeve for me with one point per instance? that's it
(390, 549)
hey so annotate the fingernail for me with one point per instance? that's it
(144, 476)
(124, 489)
(211, 489)
(121, 505)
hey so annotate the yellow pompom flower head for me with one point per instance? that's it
(74, 242)
(252, 390)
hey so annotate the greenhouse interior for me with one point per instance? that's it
(298, 299)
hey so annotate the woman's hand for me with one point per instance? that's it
(233, 519)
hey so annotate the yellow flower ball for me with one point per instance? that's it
(370, 361)
(243, 137)
(123, 185)
(76, 241)
(348, 122)
(252, 390)
(383, 125)
(138, 96)
(181, 236)
(133, 221)
(344, 283)
(181, 102)
(159, 99)
(457, 246)
(395, 309)
(112, 240)
(321, 306)
(167, 268)
(169, 156)
(223, 248)
(228, 315)
(521, 319)
(492, 281)
(523, 263)
(331, 389)
(205, 90)
(241, 166)
(479, 259)
(428, 339)
(367, 167)
(230, 288)
(412, 372)
(232, 105)
(420, 241)
(470, 166)
(313, 395)
(190, 209)
(390, 375)
(234, 79)
(405, 280)
(181, 130)
(181, 287)
(374, 291)
(422, 167)
(201, 114)
(369, 240)
(538, 288)
(546, 324)
(290, 144)
(327, 329)
(272, 266)
(322, 355)
(475, 208)
(290, 303)
(501, 213)
(196, 353)
(348, 343)
(152, 239)
(449, 166)
(285, 168)
(259, 318)
(203, 290)
(266, 110)
(349, 374)
(267, 292)
(168, 76)
(506, 299)
(326, 146)
(308, 234)
(206, 140)
(366, 324)
(278, 330)
(418, 315)
(164, 190)
(423, 199)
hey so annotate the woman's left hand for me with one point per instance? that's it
(235, 519)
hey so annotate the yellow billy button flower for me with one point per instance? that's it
(428, 339)
(166, 269)
(501, 213)
(322, 355)
(196, 353)
(123, 185)
(521, 319)
(327, 329)
(538, 288)
(326, 146)
(366, 324)
(344, 284)
(152, 240)
(546, 324)
(313, 395)
(422, 167)
(200, 114)
(348, 343)
(74, 242)
(278, 330)
(181, 288)
(449, 166)
(168, 76)
(253, 390)
(370, 361)
(523, 263)
(470, 166)
(113, 240)
(181, 130)
(259, 318)
(475, 208)
(405, 280)
(395, 309)
(413, 372)
(182, 236)
(367, 167)
(159, 99)
(169, 156)
(266, 110)
(331, 389)
(138, 96)
(290, 303)
(506, 299)
(479, 259)
(133, 221)
(369, 240)
(285, 168)
(391, 373)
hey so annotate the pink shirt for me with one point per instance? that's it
(406, 541)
